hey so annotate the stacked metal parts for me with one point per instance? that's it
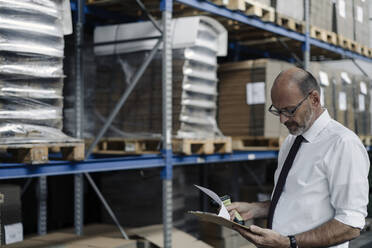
(197, 42)
(199, 86)
(31, 71)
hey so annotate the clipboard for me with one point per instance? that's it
(214, 218)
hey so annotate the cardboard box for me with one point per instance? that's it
(325, 78)
(11, 213)
(103, 242)
(215, 231)
(361, 22)
(67, 240)
(362, 104)
(344, 100)
(321, 14)
(146, 237)
(233, 241)
(239, 112)
(180, 239)
(344, 18)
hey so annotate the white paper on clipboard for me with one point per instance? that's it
(223, 211)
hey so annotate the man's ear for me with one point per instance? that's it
(315, 97)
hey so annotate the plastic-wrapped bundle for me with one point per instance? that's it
(30, 66)
(45, 112)
(31, 70)
(194, 75)
(38, 88)
(50, 8)
(24, 27)
(13, 132)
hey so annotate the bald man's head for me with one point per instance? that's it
(299, 77)
(295, 97)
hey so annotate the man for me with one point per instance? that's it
(321, 183)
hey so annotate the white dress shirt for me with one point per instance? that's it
(328, 179)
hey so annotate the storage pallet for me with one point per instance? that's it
(290, 23)
(202, 146)
(30, 153)
(126, 146)
(253, 8)
(323, 35)
(252, 143)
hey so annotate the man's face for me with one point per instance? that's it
(301, 122)
(288, 98)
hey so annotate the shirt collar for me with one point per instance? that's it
(319, 124)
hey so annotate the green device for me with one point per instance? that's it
(226, 201)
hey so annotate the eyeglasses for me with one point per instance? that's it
(288, 112)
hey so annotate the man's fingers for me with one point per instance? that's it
(257, 230)
(232, 206)
(249, 235)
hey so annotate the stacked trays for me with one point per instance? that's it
(199, 86)
(31, 71)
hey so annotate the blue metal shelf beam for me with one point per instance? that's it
(270, 27)
(54, 168)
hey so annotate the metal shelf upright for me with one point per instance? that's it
(166, 8)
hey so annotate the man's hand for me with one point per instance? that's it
(248, 210)
(264, 237)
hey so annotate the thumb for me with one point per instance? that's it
(232, 206)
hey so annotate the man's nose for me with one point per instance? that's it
(283, 118)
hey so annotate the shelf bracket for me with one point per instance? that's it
(149, 16)
(285, 46)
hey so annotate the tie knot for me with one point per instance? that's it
(299, 139)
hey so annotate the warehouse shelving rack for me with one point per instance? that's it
(166, 160)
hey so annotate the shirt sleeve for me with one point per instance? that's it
(347, 172)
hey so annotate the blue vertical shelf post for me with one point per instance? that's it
(306, 46)
(79, 108)
(166, 6)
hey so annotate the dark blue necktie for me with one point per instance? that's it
(283, 177)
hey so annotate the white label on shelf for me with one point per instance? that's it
(251, 156)
(13, 233)
(342, 8)
(359, 14)
(130, 146)
(169, 136)
(323, 78)
(255, 93)
(322, 96)
(363, 88)
(200, 160)
(345, 77)
(342, 103)
(362, 103)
